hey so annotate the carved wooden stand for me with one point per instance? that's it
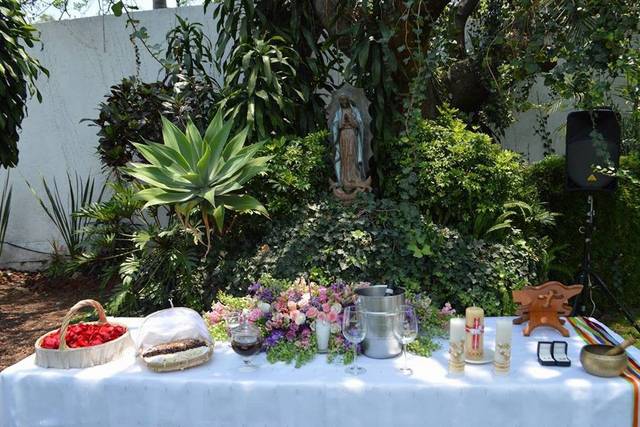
(542, 305)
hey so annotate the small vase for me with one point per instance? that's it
(323, 329)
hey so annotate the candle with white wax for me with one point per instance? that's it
(502, 355)
(456, 330)
(504, 330)
(323, 329)
(457, 335)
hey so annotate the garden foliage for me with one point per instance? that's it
(299, 172)
(616, 241)
(455, 216)
(18, 73)
(456, 176)
(390, 242)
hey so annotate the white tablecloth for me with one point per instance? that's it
(124, 393)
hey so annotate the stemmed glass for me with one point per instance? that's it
(233, 320)
(245, 341)
(405, 329)
(354, 329)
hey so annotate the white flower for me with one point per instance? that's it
(300, 318)
(304, 301)
(264, 307)
(335, 328)
(336, 308)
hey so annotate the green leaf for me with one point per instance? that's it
(218, 216)
(175, 139)
(251, 84)
(235, 144)
(242, 203)
(116, 8)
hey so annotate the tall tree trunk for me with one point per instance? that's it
(159, 4)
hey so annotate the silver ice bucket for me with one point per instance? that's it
(380, 303)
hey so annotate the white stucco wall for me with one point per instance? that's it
(85, 57)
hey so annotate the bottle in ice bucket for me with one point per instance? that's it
(474, 328)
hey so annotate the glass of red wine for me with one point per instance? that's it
(245, 341)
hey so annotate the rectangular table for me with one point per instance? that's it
(124, 393)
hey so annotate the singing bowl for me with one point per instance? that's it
(596, 362)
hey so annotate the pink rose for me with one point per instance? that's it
(332, 316)
(312, 312)
(255, 314)
(292, 306)
(214, 317)
(322, 316)
(326, 307)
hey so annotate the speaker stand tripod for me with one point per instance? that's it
(590, 279)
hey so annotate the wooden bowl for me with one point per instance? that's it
(83, 357)
(596, 362)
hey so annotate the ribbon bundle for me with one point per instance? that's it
(593, 332)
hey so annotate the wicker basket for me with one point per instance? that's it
(84, 357)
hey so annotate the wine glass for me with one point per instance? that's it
(245, 341)
(405, 329)
(354, 329)
(233, 320)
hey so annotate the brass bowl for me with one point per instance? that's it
(596, 362)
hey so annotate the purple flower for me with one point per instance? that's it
(273, 338)
(291, 334)
(254, 287)
(261, 292)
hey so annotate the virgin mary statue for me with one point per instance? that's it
(347, 131)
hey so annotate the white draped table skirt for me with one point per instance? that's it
(124, 393)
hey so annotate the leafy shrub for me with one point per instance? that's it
(166, 267)
(298, 173)
(616, 241)
(456, 175)
(130, 114)
(18, 73)
(468, 271)
(258, 86)
(389, 242)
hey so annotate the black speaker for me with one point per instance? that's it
(593, 139)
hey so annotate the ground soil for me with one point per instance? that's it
(31, 305)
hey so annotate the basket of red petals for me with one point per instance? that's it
(84, 344)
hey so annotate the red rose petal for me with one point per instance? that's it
(84, 335)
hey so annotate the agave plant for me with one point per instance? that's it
(190, 171)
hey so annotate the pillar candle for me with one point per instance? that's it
(474, 345)
(504, 328)
(456, 329)
(456, 345)
(502, 355)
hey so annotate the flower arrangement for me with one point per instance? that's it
(286, 314)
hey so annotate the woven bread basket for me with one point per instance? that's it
(84, 357)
